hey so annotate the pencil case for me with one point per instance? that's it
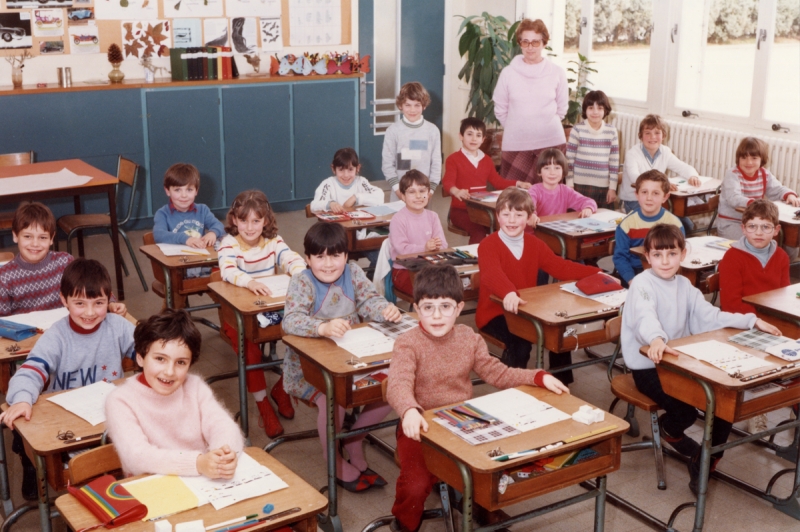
(16, 331)
(598, 283)
(109, 501)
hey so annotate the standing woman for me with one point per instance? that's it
(530, 100)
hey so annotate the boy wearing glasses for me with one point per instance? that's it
(430, 368)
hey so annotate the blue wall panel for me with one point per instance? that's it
(257, 132)
(324, 121)
(422, 51)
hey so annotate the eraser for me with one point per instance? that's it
(585, 408)
(582, 417)
(597, 415)
(163, 525)
(191, 526)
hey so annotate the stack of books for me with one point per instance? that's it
(202, 63)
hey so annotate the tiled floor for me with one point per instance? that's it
(728, 509)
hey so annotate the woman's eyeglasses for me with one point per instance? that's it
(536, 43)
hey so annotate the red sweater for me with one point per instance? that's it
(502, 274)
(741, 274)
(461, 173)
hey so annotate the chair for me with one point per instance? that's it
(93, 463)
(623, 388)
(13, 159)
(128, 173)
(159, 281)
(6, 256)
(713, 286)
(713, 207)
(309, 214)
(452, 228)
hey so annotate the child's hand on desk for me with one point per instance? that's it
(694, 181)
(523, 185)
(433, 244)
(512, 302)
(533, 220)
(460, 193)
(118, 308)
(15, 411)
(413, 422)
(657, 349)
(335, 208)
(768, 328)
(391, 313)
(793, 200)
(555, 385)
(209, 239)
(219, 463)
(337, 327)
(258, 288)
(196, 242)
(585, 213)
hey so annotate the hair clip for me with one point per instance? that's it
(561, 313)
(13, 348)
(497, 451)
(260, 303)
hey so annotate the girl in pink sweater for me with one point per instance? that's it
(164, 420)
(551, 196)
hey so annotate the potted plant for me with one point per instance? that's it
(487, 43)
(580, 70)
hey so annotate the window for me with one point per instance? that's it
(782, 102)
(386, 63)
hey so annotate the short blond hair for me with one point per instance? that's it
(413, 90)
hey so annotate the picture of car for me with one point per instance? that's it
(47, 21)
(51, 47)
(80, 14)
(9, 34)
(84, 39)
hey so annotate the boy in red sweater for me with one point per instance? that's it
(510, 260)
(470, 169)
(422, 379)
(755, 263)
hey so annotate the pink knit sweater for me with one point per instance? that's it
(559, 200)
(164, 434)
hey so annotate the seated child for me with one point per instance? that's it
(346, 189)
(165, 420)
(510, 260)
(252, 248)
(652, 189)
(749, 181)
(325, 301)
(663, 306)
(551, 196)
(470, 169)
(85, 347)
(182, 221)
(593, 152)
(430, 368)
(31, 281)
(413, 229)
(411, 143)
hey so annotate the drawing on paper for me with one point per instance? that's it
(271, 34)
(244, 35)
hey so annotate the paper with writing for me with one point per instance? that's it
(724, 356)
(518, 409)
(365, 342)
(86, 402)
(277, 284)
(174, 250)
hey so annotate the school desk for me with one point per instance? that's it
(718, 394)
(465, 271)
(239, 308)
(694, 267)
(100, 183)
(469, 469)
(790, 230)
(482, 213)
(175, 282)
(356, 247)
(780, 307)
(298, 494)
(678, 201)
(325, 366)
(575, 245)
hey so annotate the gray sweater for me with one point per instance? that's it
(670, 309)
(412, 148)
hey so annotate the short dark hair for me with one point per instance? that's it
(325, 238)
(754, 147)
(664, 236)
(182, 174)
(653, 122)
(437, 281)
(85, 277)
(552, 156)
(474, 123)
(515, 199)
(413, 177)
(413, 90)
(32, 214)
(345, 158)
(251, 201)
(595, 97)
(169, 325)
(653, 175)
(761, 208)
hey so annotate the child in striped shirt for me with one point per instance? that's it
(593, 152)
(252, 249)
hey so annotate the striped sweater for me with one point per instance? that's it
(26, 287)
(593, 156)
(739, 191)
(239, 263)
(631, 232)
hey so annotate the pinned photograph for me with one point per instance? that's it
(15, 30)
(84, 39)
(51, 47)
(80, 15)
(48, 22)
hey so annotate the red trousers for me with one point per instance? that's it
(460, 218)
(252, 354)
(414, 483)
(401, 279)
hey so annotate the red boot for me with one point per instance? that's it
(271, 423)
(282, 399)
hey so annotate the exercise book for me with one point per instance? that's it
(86, 402)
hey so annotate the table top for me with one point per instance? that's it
(708, 257)
(154, 252)
(567, 216)
(543, 302)
(715, 376)
(706, 188)
(298, 494)
(244, 300)
(491, 205)
(98, 177)
(378, 221)
(462, 269)
(783, 300)
(475, 457)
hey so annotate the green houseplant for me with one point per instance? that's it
(579, 70)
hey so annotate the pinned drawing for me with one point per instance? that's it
(84, 40)
(244, 35)
(253, 8)
(126, 9)
(48, 22)
(15, 30)
(271, 34)
(146, 39)
(192, 8)
(315, 23)
(215, 31)
(187, 32)
(80, 15)
(23, 4)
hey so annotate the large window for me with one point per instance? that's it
(782, 102)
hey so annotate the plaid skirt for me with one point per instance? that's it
(521, 165)
(598, 194)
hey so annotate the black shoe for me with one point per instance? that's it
(684, 445)
(30, 492)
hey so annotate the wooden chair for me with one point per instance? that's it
(128, 173)
(6, 256)
(624, 389)
(309, 214)
(93, 463)
(13, 159)
(713, 286)
(713, 207)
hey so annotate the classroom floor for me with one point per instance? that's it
(728, 509)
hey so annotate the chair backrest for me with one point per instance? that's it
(713, 202)
(6, 256)
(158, 273)
(613, 328)
(309, 214)
(148, 239)
(93, 463)
(128, 173)
(16, 159)
(215, 277)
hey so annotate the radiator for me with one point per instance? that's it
(712, 150)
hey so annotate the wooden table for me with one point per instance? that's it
(298, 494)
(325, 366)
(575, 245)
(678, 201)
(696, 273)
(482, 213)
(790, 230)
(174, 268)
(780, 307)
(468, 468)
(356, 247)
(238, 308)
(470, 271)
(100, 183)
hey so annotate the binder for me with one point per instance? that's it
(234, 70)
(204, 62)
(178, 64)
(220, 63)
(211, 53)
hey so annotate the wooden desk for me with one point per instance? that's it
(298, 494)
(100, 183)
(678, 201)
(238, 309)
(579, 245)
(696, 273)
(175, 283)
(325, 366)
(790, 229)
(482, 213)
(468, 468)
(470, 271)
(779, 307)
(356, 247)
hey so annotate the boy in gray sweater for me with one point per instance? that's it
(661, 306)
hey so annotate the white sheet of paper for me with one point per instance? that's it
(518, 409)
(86, 402)
(315, 22)
(395, 205)
(174, 250)
(785, 212)
(41, 319)
(250, 480)
(683, 184)
(608, 216)
(724, 356)
(612, 299)
(36, 182)
(472, 249)
(698, 250)
(788, 350)
(277, 284)
(365, 342)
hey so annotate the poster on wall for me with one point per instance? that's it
(244, 35)
(48, 22)
(84, 39)
(80, 15)
(21, 4)
(126, 9)
(15, 30)
(215, 32)
(187, 32)
(253, 8)
(51, 47)
(271, 34)
(146, 38)
(315, 22)
(192, 8)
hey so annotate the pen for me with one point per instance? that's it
(81, 438)
(378, 362)
(770, 372)
(232, 521)
(464, 412)
(254, 522)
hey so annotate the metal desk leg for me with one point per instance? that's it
(490, 212)
(466, 498)
(331, 522)
(539, 342)
(5, 491)
(705, 457)
(44, 499)
(600, 505)
(563, 246)
(243, 420)
(168, 299)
